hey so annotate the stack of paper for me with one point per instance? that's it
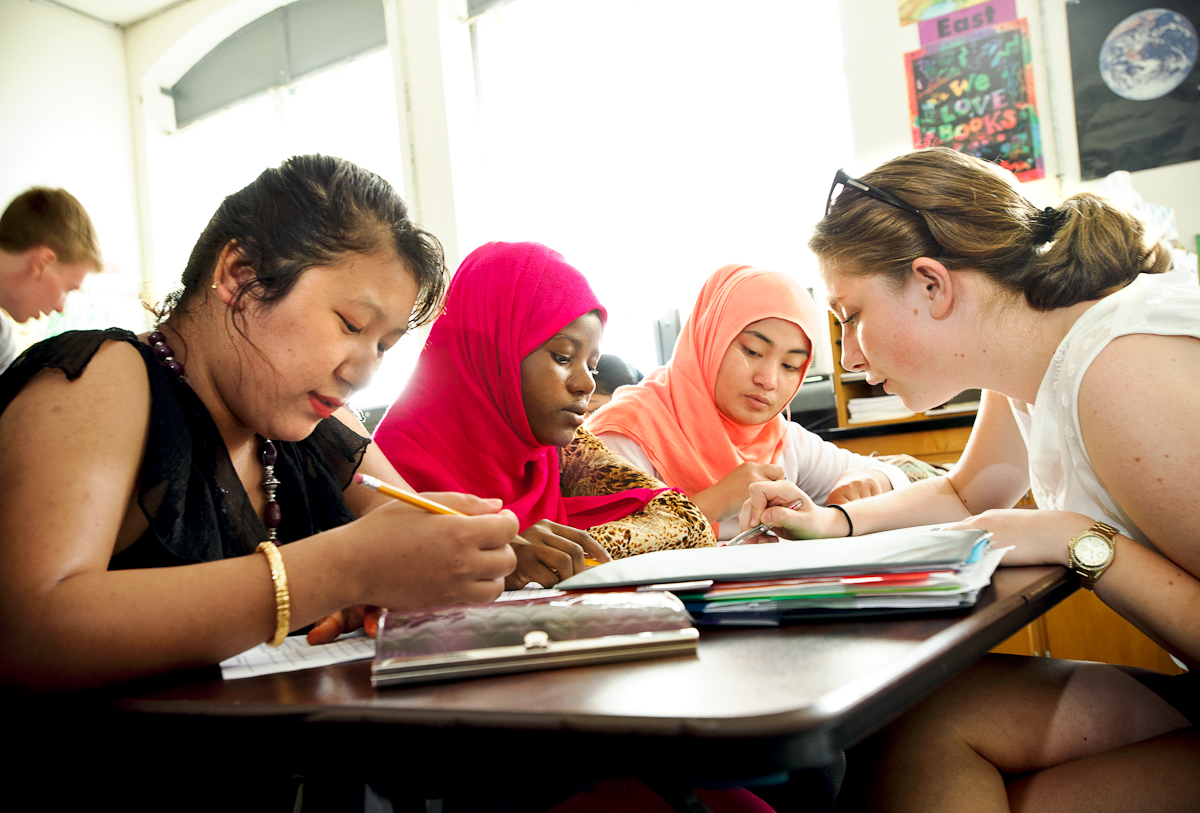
(772, 601)
(912, 570)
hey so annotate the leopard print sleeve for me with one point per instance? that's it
(589, 468)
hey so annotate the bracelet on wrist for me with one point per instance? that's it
(845, 514)
(283, 601)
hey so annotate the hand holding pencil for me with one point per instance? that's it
(551, 539)
(393, 557)
(416, 500)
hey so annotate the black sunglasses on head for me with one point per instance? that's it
(841, 179)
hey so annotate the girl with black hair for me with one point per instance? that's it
(143, 476)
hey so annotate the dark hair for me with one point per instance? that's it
(50, 217)
(312, 210)
(613, 372)
(972, 217)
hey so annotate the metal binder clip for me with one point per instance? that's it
(537, 640)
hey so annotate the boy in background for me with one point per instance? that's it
(47, 246)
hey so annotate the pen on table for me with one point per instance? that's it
(414, 499)
(759, 528)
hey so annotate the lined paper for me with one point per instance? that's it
(296, 653)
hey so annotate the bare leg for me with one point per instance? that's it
(1160, 774)
(1007, 714)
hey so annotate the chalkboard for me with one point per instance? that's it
(975, 94)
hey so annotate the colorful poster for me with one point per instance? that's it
(1137, 87)
(975, 94)
(913, 11)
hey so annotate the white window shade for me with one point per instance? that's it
(653, 141)
(276, 50)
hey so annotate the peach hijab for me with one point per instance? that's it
(673, 414)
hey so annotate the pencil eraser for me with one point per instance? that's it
(358, 478)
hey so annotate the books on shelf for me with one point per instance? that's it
(876, 408)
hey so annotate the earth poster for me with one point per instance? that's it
(1137, 89)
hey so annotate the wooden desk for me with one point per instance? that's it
(753, 702)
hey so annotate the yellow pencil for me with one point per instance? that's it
(414, 499)
(429, 505)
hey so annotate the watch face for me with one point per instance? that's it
(1091, 551)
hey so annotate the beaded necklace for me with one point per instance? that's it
(273, 515)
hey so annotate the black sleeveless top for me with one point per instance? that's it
(188, 489)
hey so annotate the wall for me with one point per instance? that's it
(64, 121)
(875, 44)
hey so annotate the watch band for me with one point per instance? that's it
(1090, 573)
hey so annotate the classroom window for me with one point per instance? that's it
(653, 141)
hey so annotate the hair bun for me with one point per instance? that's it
(1050, 221)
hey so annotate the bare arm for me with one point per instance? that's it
(72, 452)
(858, 484)
(994, 469)
(991, 474)
(1139, 402)
(1146, 453)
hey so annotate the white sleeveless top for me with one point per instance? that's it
(1060, 471)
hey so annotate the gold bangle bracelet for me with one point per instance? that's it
(283, 601)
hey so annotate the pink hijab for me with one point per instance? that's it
(673, 413)
(460, 423)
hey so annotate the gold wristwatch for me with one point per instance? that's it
(1092, 552)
